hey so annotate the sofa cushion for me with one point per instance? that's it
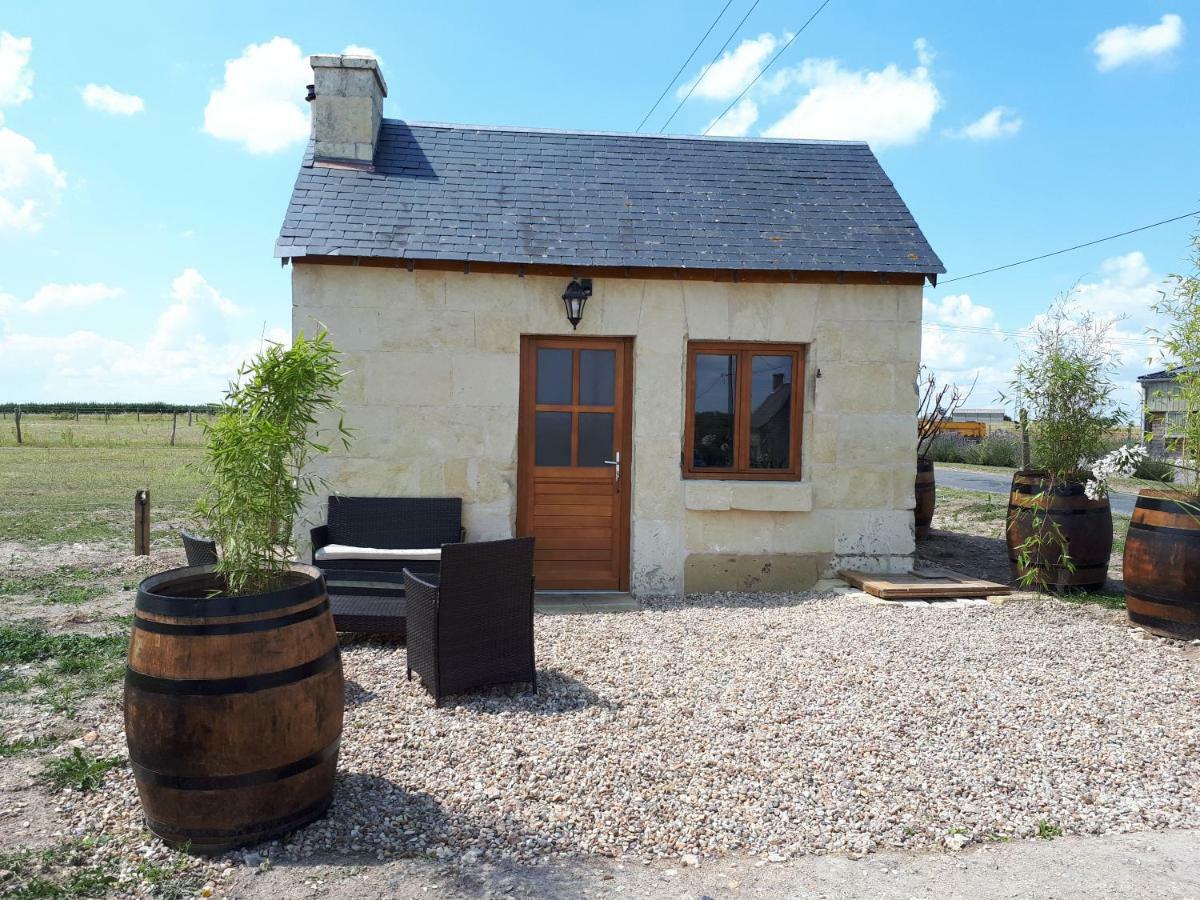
(345, 551)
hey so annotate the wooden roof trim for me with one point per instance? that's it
(757, 276)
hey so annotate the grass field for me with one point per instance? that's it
(81, 494)
(92, 430)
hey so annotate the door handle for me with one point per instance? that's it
(616, 464)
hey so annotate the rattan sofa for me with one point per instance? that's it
(387, 523)
(471, 626)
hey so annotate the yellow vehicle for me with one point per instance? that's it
(972, 431)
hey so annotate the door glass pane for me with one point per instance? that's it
(552, 439)
(770, 412)
(553, 375)
(716, 390)
(597, 377)
(595, 438)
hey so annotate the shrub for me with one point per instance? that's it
(1155, 470)
(947, 448)
(1180, 342)
(996, 449)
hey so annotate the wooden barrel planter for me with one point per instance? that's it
(1162, 565)
(926, 497)
(1086, 526)
(233, 708)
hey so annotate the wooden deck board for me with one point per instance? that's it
(928, 584)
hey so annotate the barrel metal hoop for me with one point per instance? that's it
(253, 625)
(242, 780)
(214, 607)
(1141, 596)
(245, 684)
(203, 836)
(1166, 504)
(1167, 529)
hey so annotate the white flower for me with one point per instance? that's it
(1120, 463)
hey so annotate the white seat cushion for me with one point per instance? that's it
(345, 551)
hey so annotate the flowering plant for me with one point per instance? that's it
(1121, 462)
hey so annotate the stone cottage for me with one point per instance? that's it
(682, 363)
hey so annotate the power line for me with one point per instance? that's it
(1023, 333)
(1021, 262)
(675, 77)
(763, 70)
(708, 68)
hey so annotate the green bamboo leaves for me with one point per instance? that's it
(256, 463)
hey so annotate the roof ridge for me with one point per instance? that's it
(520, 129)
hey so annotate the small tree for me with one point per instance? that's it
(936, 405)
(1180, 341)
(1065, 379)
(259, 446)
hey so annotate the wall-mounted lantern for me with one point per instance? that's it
(575, 298)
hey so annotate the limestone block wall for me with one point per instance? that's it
(433, 394)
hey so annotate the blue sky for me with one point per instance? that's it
(137, 216)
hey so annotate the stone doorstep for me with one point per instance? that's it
(570, 602)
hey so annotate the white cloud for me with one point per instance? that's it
(29, 182)
(736, 122)
(1133, 43)
(725, 79)
(925, 54)
(195, 349)
(888, 107)
(16, 77)
(59, 297)
(359, 50)
(109, 100)
(962, 338)
(998, 122)
(261, 102)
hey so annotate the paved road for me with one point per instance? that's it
(1122, 504)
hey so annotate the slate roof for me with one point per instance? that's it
(468, 193)
(1165, 374)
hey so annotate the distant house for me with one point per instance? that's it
(1162, 412)
(990, 417)
(681, 363)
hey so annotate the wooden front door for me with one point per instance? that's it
(573, 463)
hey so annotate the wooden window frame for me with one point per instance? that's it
(744, 350)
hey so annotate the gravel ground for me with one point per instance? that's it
(773, 726)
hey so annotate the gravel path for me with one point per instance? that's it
(731, 727)
(776, 728)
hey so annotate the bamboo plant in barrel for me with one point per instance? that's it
(234, 691)
(1058, 536)
(1162, 551)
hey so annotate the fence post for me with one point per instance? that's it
(138, 412)
(17, 419)
(189, 418)
(174, 419)
(1025, 455)
(141, 523)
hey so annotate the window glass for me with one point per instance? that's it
(597, 377)
(595, 438)
(713, 410)
(770, 411)
(553, 375)
(552, 439)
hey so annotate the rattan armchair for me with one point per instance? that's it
(200, 551)
(472, 625)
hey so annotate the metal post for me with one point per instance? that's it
(1025, 454)
(141, 523)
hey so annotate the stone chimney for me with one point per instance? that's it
(347, 106)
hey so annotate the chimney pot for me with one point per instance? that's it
(347, 107)
(776, 381)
